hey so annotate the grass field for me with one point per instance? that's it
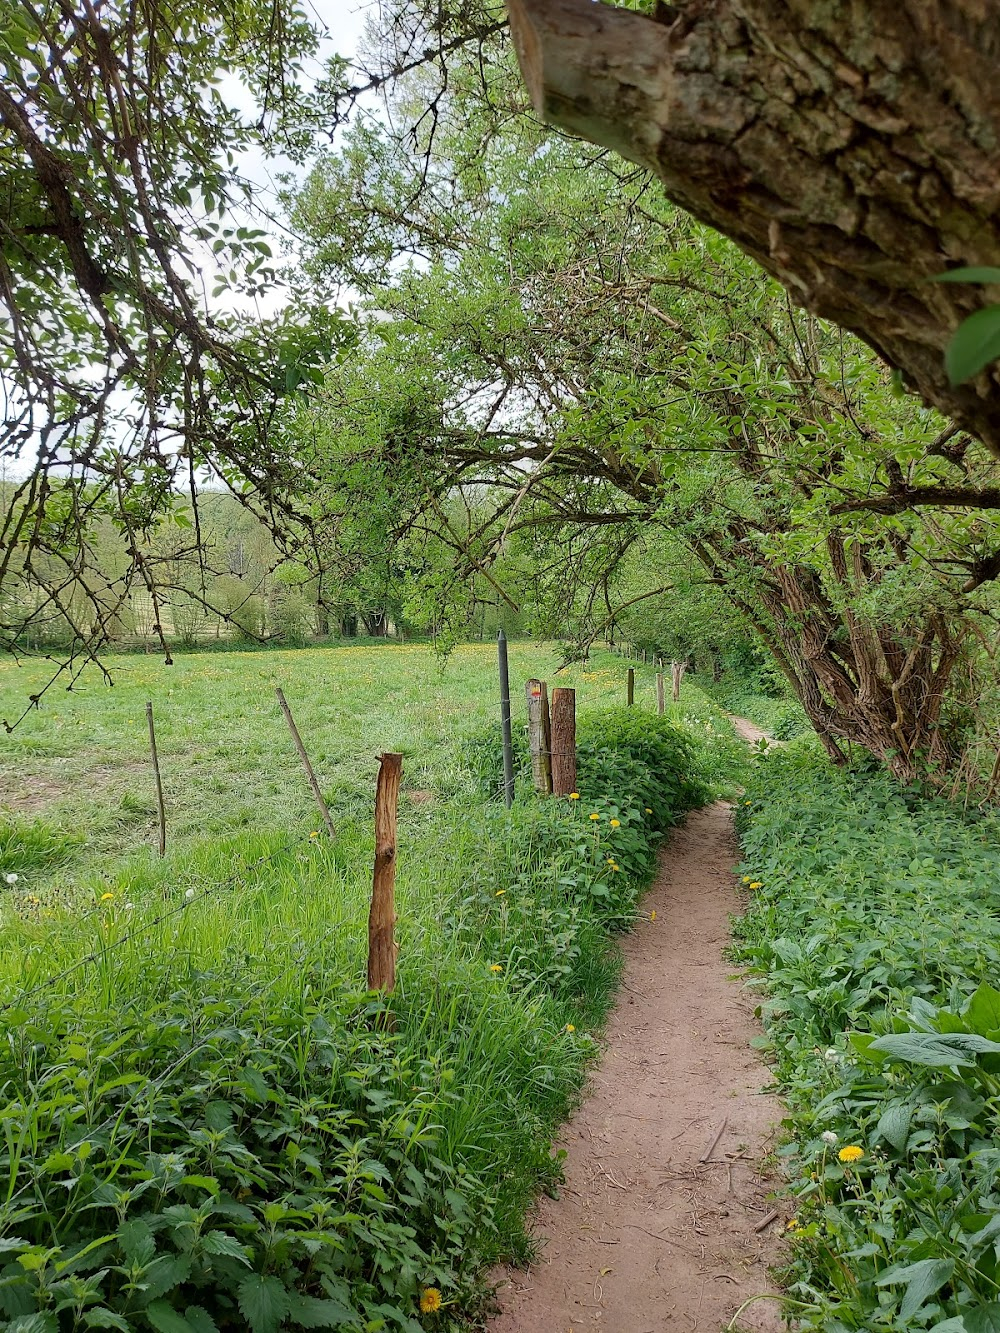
(227, 758)
(207, 1125)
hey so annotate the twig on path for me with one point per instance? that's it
(715, 1142)
(765, 1222)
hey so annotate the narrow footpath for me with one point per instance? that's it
(663, 1221)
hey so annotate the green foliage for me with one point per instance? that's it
(874, 930)
(206, 1124)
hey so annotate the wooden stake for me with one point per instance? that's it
(161, 808)
(563, 741)
(538, 741)
(382, 917)
(660, 705)
(677, 670)
(630, 687)
(323, 808)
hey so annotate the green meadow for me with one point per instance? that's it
(209, 1123)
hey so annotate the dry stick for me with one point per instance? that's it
(324, 810)
(538, 710)
(382, 917)
(563, 741)
(660, 705)
(715, 1142)
(159, 785)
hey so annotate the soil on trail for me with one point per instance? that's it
(749, 731)
(667, 1175)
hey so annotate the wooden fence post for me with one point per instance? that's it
(563, 741)
(160, 807)
(630, 687)
(539, 734)
(660, 705)
(323, 807)
(382, 917)
(677, 670)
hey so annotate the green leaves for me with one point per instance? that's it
(264, 1302)
(974, 345)
(923, 1279)
(928, 1048)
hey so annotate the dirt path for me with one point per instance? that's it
(749, 731)
(645, 1236)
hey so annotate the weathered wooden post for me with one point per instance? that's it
(660, 705)
(160, 807)
(677, 670)
(310, 774)
(630, 687)
(563, 741)
(382, 917)
(508, 746)
(539, 735)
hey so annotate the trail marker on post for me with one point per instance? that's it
(508, 747)
(539, 735)
(382, 916)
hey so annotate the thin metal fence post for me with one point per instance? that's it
(508, 747)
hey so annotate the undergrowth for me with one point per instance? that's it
(209, 1124)
(874, 927)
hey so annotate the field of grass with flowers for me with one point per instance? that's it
(874, 932)
(206, 1123)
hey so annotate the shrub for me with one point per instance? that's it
(873, 928)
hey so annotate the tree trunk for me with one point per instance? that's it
(853, 149)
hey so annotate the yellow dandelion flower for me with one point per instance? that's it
(314, 834)
(792, 1224)
(852, 1153)
(107, 897)
(648, 810)
(430, 1300)
(570, 1027)
(748, 802)
(500, 893)
(574, 796)
(754, 884)
(616, 823)
(495, 967)
(615, 866)
(652, 915)
(595, 815)
(746, 879)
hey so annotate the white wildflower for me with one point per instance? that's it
(189, 893)
(828, 1136)
(11, 878)
(831, 1054)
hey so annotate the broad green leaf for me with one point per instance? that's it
(973, 273)
(263, 1302)
(983, 1013)
(136, 1240)
(200, 1320)
(165, 1319)
(894, 1125)
(922, 1280)
(974, 344)
(311, 1312)
(101, 1317)
(923, 1048)
(219, 1242)
(984, 1319)
(33, 1323)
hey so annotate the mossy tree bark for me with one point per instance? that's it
(853, 149)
